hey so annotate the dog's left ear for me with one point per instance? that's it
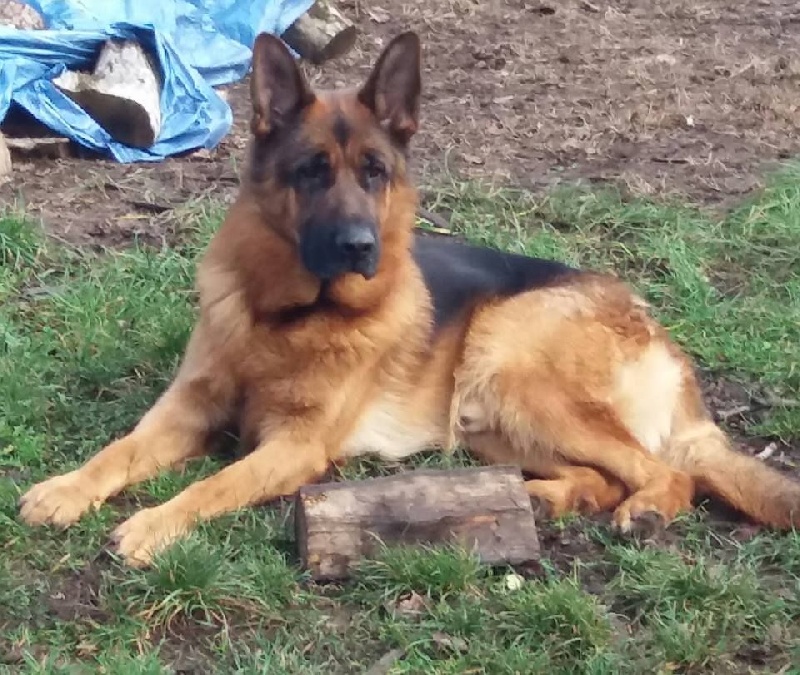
(392, 91)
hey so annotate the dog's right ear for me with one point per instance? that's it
(278, 89)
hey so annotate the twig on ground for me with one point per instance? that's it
(776, 402)
(440, 224)
(670, 160)
(726, 414)
(152, 207)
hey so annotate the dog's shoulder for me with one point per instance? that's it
(458, 275)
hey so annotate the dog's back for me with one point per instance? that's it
(458, 275)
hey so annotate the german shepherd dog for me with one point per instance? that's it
(329, 329)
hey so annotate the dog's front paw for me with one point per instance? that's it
(145, 534)
(60, 500)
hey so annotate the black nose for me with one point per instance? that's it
(335, 246)
(356, 241)
(358, 247)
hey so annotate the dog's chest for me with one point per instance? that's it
(392, 428)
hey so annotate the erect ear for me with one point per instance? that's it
(393, 89)
(278, 90)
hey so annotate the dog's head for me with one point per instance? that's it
(325, 166)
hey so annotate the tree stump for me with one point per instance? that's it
(486, 510)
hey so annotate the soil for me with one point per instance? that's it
(678, 96)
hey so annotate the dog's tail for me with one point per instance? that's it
(703, 450)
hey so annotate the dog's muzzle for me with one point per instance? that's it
(329, 251)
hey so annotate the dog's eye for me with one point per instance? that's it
(373, 170)
(314, 172)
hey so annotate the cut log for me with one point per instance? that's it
(486, 510)
(40, 147)
(123, 94)
(322, 33)
(5, 160)
(20, 15)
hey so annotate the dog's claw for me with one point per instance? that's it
(542, 509)
(647, 525)
(643, 525)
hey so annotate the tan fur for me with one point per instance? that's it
(575, 383)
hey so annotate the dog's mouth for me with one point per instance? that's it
(332, 250)
(366, 267)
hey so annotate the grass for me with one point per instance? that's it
(87, 342)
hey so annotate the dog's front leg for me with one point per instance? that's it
(279, 466)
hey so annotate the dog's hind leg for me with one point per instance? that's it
(577, 489)
(175, 429)
(580, 373)
(560, 488)
(545, 419)
(578, 446)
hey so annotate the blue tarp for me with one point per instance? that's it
(198, 44)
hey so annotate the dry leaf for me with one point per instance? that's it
(410, 606)
(449, 642)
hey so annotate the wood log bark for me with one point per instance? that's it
(44, 147)
(322, 33)
(486, 510)
(122, 94)
(5, 160)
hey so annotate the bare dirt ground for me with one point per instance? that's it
(683, 96)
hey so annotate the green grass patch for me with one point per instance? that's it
(87, 343)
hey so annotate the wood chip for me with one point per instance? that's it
(768, 451)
